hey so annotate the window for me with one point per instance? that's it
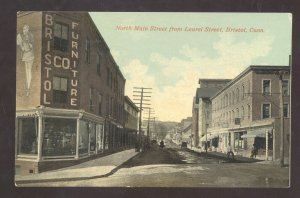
(59, 137)
(249, 88)
(87, 50)
(83, 145)
(239, 142)
(91, 99)
(28, 134)
(266, 111)
(60, 87)
(100, 104)
(92, 132)
(266, 87)
(107, 106)
(61, 37)
(233, 97)
(237, 94)
(242, 113)
(107, 76)
(285, 87)
(249, 111)
(111, 80)
(286, 110)
(98, 64)
(243, 92)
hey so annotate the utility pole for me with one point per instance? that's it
(141, 94)
(281, 98)
(282, 122)
(148, 125)
(154, 126)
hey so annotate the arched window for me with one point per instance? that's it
(249, 111)
(237, 94)
(249, 88)
(242, 113)
(243, 92)
(233, 96)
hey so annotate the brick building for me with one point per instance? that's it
(247, 112)
(69, 92)
(201, 113)
(131, 121)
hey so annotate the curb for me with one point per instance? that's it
(72, 178)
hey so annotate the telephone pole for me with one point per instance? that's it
(141, 94)
(151, 111)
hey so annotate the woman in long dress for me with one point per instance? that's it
(25, 41)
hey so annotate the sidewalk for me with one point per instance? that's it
(97, 168)
(237, 158)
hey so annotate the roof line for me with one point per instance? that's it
(248, 69)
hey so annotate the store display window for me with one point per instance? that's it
(83, 137)
(59, 137)
(28, 133)
(92, 127)
(100, 137)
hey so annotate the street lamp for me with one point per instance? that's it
(280, 75)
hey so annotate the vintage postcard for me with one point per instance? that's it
(153, 99)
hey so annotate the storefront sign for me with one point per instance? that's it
(58, 62)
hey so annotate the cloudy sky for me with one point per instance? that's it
(164, 55)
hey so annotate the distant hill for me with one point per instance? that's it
(162, 128)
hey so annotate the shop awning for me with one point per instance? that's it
(209, 137)
(261, 132)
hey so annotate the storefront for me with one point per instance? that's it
(212, 141)
(262, 139)
(46, 134)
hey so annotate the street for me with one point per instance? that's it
(175, 167)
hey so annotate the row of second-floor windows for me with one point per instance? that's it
(61, 43)
(266, 111)
(61, 40)
(267, 89)
(245, 113)
(237, 95)
(113, 108)
(229, 117)
(232, 96)
(113, 83)
(131, 110)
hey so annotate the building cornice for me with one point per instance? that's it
(249, 69)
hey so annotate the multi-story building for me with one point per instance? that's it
(246, 112)
(131, 121)
(69, 91)
(201, 113)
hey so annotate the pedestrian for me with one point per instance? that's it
(230, 152)
(137, 146)
(162, 144)
(254, 151)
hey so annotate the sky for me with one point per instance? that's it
(169, 52)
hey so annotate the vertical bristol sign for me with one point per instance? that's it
(65, 64)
